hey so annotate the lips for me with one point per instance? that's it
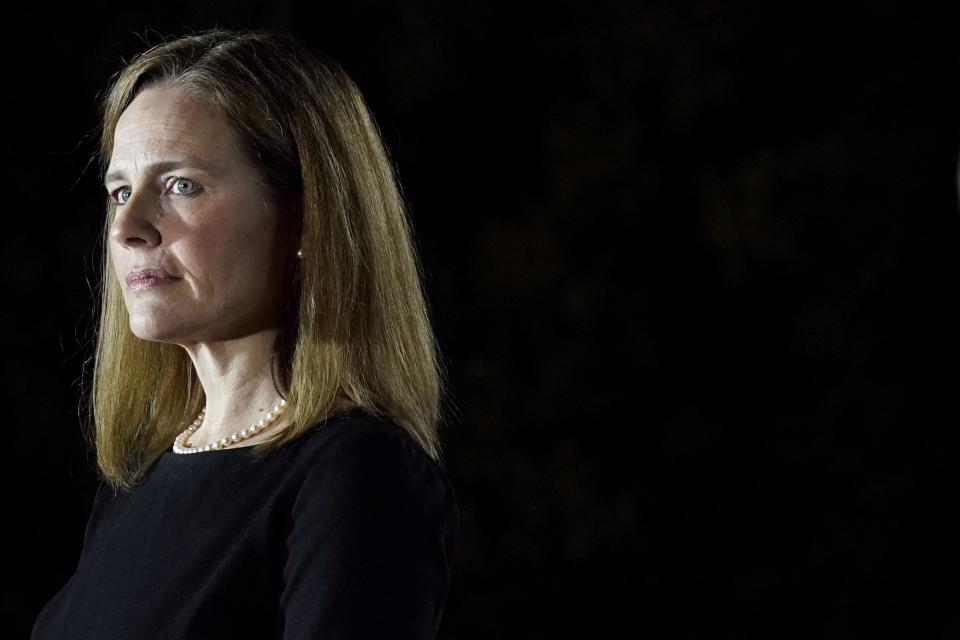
(148, 278)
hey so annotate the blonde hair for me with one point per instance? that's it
(356, 333)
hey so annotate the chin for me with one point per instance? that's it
(149, 334)
(153, 329)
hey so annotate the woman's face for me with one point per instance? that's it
(195, 245)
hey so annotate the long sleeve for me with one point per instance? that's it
(371, 538)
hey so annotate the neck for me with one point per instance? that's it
(237, 381)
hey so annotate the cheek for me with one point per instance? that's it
(225, 247)
(221, 261)
(247, 247)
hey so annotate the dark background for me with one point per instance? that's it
(695, 268)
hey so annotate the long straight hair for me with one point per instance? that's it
(356, 331)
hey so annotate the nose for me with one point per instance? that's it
(134, 223)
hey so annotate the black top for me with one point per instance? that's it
(346, 533)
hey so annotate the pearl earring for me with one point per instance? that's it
(300, 253)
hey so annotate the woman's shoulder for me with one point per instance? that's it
(356, 428)
(370, 465)
(357, 442)
(373, 520)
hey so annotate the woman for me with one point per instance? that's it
(266, 388)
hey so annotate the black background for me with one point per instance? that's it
(693, 266)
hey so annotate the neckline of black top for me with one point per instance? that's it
(223, 453)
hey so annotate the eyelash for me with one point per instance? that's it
(169, 182)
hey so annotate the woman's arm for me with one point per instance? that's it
(370, 546)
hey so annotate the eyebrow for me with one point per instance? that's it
(160, 167)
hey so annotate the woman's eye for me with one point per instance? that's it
(183, 186)
(121, 195)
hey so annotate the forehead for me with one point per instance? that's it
(167, 122)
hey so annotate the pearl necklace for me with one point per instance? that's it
(180, 443)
